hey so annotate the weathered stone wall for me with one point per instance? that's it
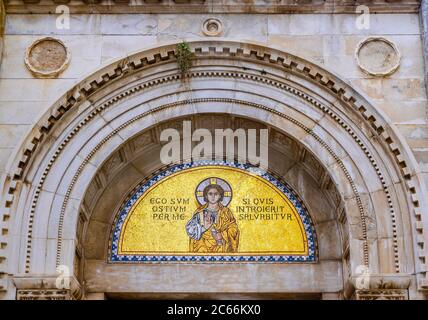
(326, 39)
(3, 275)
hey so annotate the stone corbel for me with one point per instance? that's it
(378, 287)
(47, 287)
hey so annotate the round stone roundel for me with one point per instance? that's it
(378, 56)
(47, 57)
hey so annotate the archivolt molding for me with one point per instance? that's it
(233, 51)
(133, 90)
(87, 159)
(134, 152)
(148, 143)
(190, 102)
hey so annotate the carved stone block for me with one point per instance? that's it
(377, 56)
(47, 57)
(382, 294)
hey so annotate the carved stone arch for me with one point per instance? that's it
(136, 159)
(367, 159)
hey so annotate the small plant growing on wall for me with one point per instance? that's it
(184, 56)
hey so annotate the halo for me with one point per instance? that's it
(213, 180)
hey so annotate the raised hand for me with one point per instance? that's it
(217, 236)
(208, 221)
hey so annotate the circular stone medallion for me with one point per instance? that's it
(378, 56)
(212, 27)
(47, 57)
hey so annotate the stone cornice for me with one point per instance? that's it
(424, 31)
(376, 282)
(212, 6)
(47, 284)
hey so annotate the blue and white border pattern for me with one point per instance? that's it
(135, 258)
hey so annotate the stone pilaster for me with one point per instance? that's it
(424, 33)
(47, 288)
(4, 281)
(2, 23)
(378, 287)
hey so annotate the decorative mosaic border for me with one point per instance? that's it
(281, 185)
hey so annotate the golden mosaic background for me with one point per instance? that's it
(156, 223)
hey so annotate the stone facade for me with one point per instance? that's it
(353, 144)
